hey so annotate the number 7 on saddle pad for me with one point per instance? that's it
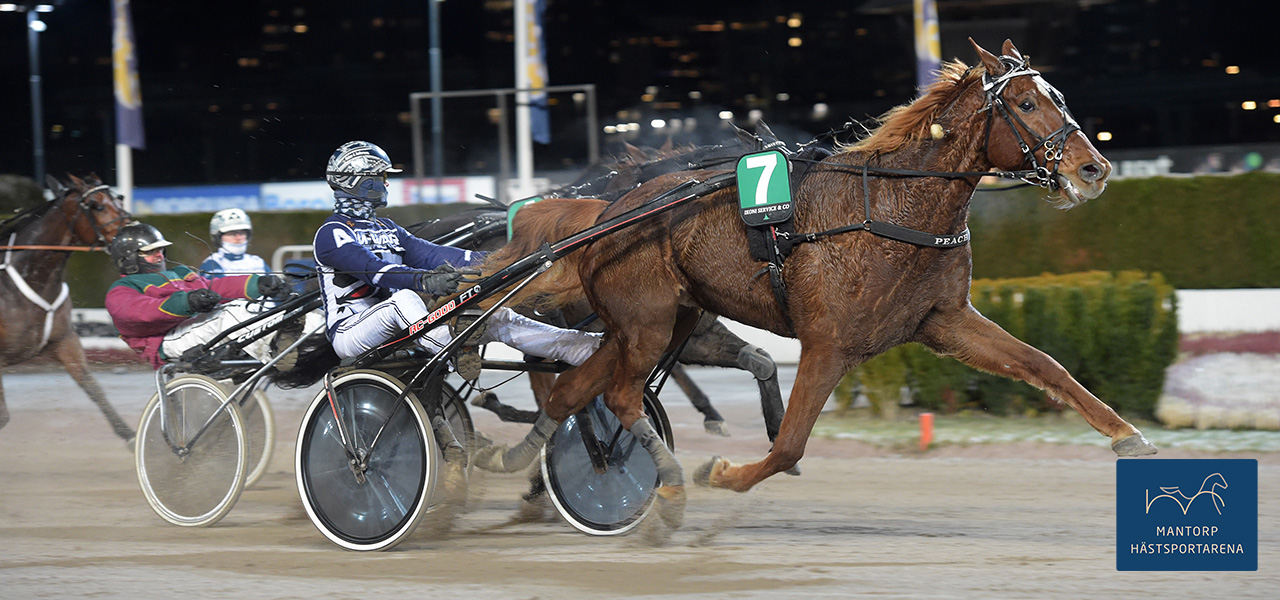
(764, 188)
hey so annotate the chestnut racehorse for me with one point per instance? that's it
(35, 314)
(852, 292)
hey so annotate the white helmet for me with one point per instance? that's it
(231, 219)
(359, 169)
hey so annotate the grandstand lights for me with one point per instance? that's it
(44, 8)
(1248, 105)
(1275, 119)
(657, 123)
(1273, 103)
(1233, 70)
(726, 115)
(1104, 136)
(8, 7)
(795, 42)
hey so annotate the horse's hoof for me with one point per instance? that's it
(794, 471)
(490, 458)
(709, 472)
(671, 503)
(1134, 445)
(716, 427)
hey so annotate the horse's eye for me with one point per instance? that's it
(1027, 105)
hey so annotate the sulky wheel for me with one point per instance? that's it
(360, 493)
(192, 452)
(613, 501)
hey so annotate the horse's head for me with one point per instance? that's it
(1035, 129)
(93, 213)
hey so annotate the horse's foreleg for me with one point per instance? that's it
(976, 341)
(817, 374)
(70, 353)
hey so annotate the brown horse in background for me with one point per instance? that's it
(35, 316)
(852, 295)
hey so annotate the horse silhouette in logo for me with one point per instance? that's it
(1209, 487)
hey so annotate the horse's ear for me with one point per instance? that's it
(637, 155)
(1010, 50)
(989, 60)
(58, 188)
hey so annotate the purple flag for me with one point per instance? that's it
(124, 69)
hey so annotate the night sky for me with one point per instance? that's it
(233, 92)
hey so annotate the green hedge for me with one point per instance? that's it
(1115, 332)
(1209, 232)
(90, 274)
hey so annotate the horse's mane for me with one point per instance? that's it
(910, 122)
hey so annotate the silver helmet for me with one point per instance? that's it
(359, 169)
(229, 219)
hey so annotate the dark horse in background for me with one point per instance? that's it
(853, 292)
(710, 344)
(35, 314)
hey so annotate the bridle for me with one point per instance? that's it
(1053, 143)
(87, 208)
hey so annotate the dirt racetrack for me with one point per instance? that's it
(1011, 521)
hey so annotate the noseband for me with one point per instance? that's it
(1053, 143)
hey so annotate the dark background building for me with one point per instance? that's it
(245, 91)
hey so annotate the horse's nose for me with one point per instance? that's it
(1092, 172)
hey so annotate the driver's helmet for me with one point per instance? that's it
(359, 170)
(230, 219)
(132, 240)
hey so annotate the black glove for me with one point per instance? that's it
(203, 300)
(440, 282)
(271, 286)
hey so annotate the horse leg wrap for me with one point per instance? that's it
(669, 471)
(450, 447)
(501, 460)
(754, 359)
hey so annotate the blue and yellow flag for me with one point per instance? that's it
(539, 120)
(928, 48)
(124, 70)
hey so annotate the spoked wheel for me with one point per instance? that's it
(192, 452)
(615, 501)
(376, 506)
(260, 422)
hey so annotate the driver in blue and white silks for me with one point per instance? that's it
(231, 229)
(371, 271)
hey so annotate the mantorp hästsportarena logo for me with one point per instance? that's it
(1186, 515)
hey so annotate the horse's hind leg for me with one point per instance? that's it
(974, 340)
(4, 408)
(569, 395)
(69, 352)
(643, 342)
(712, 420)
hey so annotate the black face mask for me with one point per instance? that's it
(147, 267)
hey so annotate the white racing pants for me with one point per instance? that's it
(207, 326)
(379, 322)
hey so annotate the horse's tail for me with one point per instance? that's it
(547, 221)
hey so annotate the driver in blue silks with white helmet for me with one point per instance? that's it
(371, 271)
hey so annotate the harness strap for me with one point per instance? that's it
(21, 284)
